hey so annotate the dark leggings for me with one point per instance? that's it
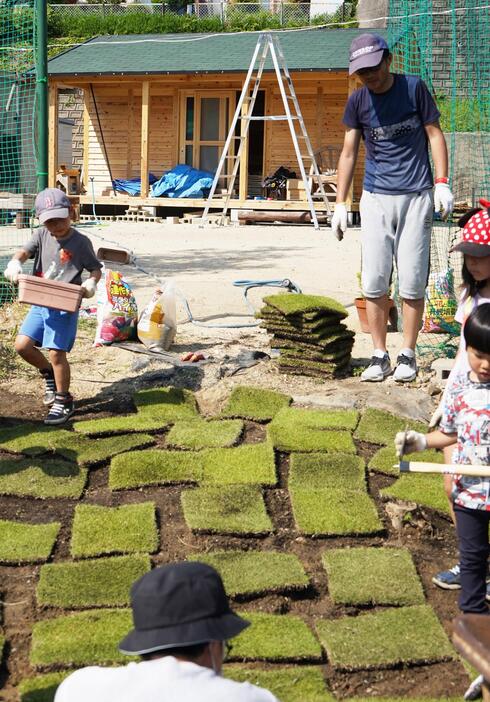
(472, 528)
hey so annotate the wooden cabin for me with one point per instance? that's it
(154, 101)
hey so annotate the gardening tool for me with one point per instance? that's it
(443, 468)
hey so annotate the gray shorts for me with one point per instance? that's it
(396, 227)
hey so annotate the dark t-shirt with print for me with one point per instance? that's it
(392, 126)
(66, 259)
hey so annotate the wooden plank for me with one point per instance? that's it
(52, 135)
(86, 137)
(145, 117)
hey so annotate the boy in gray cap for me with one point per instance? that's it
(397, 118)
(61, 253)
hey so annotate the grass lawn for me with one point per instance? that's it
(425, 489)
(378, 576)
(320, 470)
(83, 638)
(256, 572)
(334, 512)
(298, 429)
(230, 509)
(384, 459)
(41, 688)
(298, 684)
(255, 404)
(103, 582)
(199, 433)
(247, 464)
(275, 637)
(26, 543)
(105, 530)
(406, 635)
(154, 467)
(41, 478)
(380, 427)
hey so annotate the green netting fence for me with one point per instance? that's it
(445, 42)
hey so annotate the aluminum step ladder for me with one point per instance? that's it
(267, 43)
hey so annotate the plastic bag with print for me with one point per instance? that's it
(117, 313)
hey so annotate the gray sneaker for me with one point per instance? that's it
(378, 369)
(406, 369)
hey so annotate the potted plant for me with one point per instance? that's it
(360, 303)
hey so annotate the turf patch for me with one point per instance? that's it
(248, 464)
(425, 489)
(299, 429)
(320, 470)
(378, 576)
(404, 699)
(41, 688)
(33, 439)
(317, 305)
(33, 477)
(154, 467)
(83, 638)
(298, 684)
(106, 530)
(275, 637)
(385, 459)
(334, 512)
(230, 509)
(408, 635)
(103, 582)
(379, 427)
(89, 451)
(26, 543)
(200, 434)
(255, 404)
(256, 572)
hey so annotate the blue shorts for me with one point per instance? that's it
(51, 329)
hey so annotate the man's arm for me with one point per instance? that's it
(438, 148)
(347, 162)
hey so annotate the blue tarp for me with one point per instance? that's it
(131, 186)
(183, 181)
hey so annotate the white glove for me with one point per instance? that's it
(13, 270)
(89, 287)
(409, 442)
(436, 416)
(339, 220)
(443, 199)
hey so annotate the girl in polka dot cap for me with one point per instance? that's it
(474, 244)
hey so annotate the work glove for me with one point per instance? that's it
(436, 416)
(409, 442)
(339, 220)
(89, 287)
(443, 199)
(13, 270)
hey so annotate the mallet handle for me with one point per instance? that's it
(444, 469)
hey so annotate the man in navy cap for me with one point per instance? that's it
(397, 118)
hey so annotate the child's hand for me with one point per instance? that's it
(13, 270)
(409, 442)
(89, 287)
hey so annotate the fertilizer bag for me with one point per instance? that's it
(117, 313)
(157, 325)
(440, 303)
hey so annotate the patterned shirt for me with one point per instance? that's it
(467, 414)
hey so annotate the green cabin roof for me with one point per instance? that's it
(148, 54)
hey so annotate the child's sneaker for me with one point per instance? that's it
(61, 409)
(49, 386)
(449, 579)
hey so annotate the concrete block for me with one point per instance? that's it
(172, 220)
(442, 368)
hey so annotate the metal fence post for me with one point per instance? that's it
(281, 14)
(222, 13)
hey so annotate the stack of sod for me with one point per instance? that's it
(309, 332)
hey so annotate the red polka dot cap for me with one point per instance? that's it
(475, 236)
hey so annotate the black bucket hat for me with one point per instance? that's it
(180, 604)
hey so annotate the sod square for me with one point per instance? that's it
(255, 404)
(154, 467)
(256, 572)
(334, 512)
(425, 489)
(102, 582)
(41, 478)
(199, 433)
(386, 461)
(299, 429)
(275, 637)
(298, 684)
(26, 543)
(229, 509)
(33, 439)
(305, 304)
(83, 638)
(41, 688)
(405, 635)
(377, 576)
(325, 470)
(85, 450)
(379, 427)
(248, 464)
(105, 530)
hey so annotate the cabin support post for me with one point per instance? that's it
(145, 119)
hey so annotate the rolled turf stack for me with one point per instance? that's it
(309, 332)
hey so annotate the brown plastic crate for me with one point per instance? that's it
(49, 293)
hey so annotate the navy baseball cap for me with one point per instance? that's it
(366, 51)
(52, 203)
